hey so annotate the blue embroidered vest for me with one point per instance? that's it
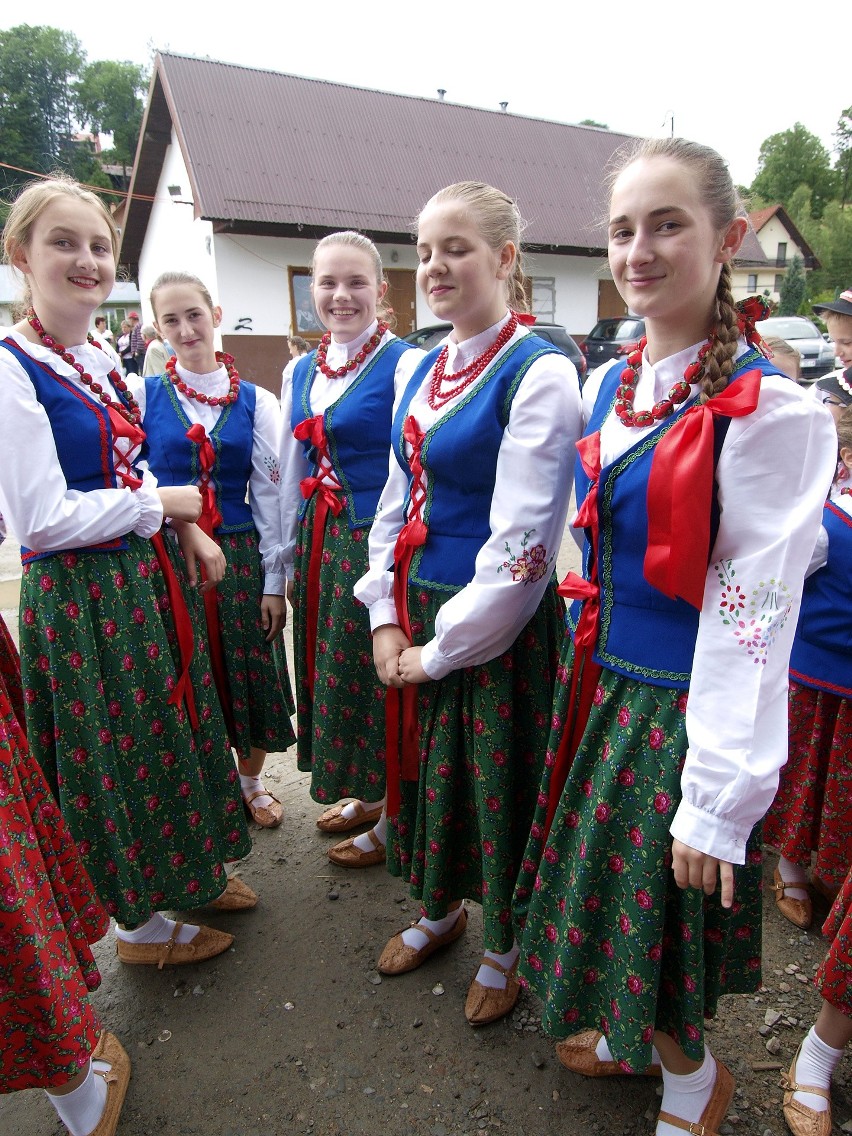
(357, 428)
(173, 458)
(643, 634)
(82, 434)
(822, 649)
(459, 456)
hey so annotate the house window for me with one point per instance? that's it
(752, 282)
(304, 319)
(781, 260)
(779, 282)
(543, 298)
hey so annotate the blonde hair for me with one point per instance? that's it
(348, 238)
(29, 205)
(498, 220)
(721, 199)
(844, 430)
(167, 278)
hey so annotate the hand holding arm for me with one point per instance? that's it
(410, 667)
(197, 547)
(389, 641)
(180, 502)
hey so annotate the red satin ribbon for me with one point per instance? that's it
(183, 631)
(208, 522)
(402, 761)
(585, 672)
(121, 428)
(680, 489)
(313, 430)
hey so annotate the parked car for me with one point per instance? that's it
(805, 336)
(429, 337)
(612, 338)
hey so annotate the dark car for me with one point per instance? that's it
(429, 337)
(612, 338)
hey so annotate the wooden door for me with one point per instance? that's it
(401, 297)
(610, 304)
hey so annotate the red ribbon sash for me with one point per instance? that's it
(313, 431)
(183, 630)
(680, 489)
(208, 522)
(121, 428)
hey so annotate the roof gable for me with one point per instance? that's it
(274, 153)
(761, 217)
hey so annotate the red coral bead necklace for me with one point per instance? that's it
(209, 400)
(357, 359)
(443, 388)
(677, 394)
(131, 413)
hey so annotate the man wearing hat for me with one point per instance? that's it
(137, 341)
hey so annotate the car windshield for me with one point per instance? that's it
(621, 329)
(796, 327)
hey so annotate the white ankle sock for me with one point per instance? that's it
(815, 1065)
(488, 976)
(351, 810)
(380, 832)
(413, 938)
(250, 785)
(686, 1096)
(81, 1109)
(158, 929)
(604, 1053)
(791, 873)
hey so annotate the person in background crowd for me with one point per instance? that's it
(155, 352)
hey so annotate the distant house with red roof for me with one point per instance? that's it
(240, 171)
(780, 241)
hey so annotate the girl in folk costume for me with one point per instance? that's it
(466, 623)
(206, 426)
(49, 915)
(338, 402)
(811, 812)
(807, 1100)
(701, 477)
(119, 718)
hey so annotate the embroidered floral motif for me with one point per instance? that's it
(755, 619)
(274, 469)
(530, 565)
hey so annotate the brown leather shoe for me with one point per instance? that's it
(237, 896)
(347, 854)
(110, 1050)
(577, 1053)
(486, 1004)
(397, 958)
(714, 1113)
(267, 816)
(801, 1120)
(333, 820)
(207, 944)
(798, 911)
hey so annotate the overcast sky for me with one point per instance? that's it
(729, 81)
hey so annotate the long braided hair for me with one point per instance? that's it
(721, 198)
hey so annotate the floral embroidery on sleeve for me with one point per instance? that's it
(756, 618)
(530, 565)
(274, 469)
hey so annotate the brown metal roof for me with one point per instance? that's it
(278, 154)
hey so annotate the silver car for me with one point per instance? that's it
(805, 336)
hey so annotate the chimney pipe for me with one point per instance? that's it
(441, 93)
(503, 107)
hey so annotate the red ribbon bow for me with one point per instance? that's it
(523, 317)
(121, 428)
(680, 489)
(207, 460)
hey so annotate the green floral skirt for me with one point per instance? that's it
(260, 696)
(341, 726)
(463, 826)
(609, 942)
(153, 805)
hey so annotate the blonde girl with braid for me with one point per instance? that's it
(466, 621)
(700, 480)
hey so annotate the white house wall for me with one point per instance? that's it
(174, 240)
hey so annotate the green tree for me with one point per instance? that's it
(792, 158)
(843, 146)
(793, 288)
(38, 66)
(109, 100)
